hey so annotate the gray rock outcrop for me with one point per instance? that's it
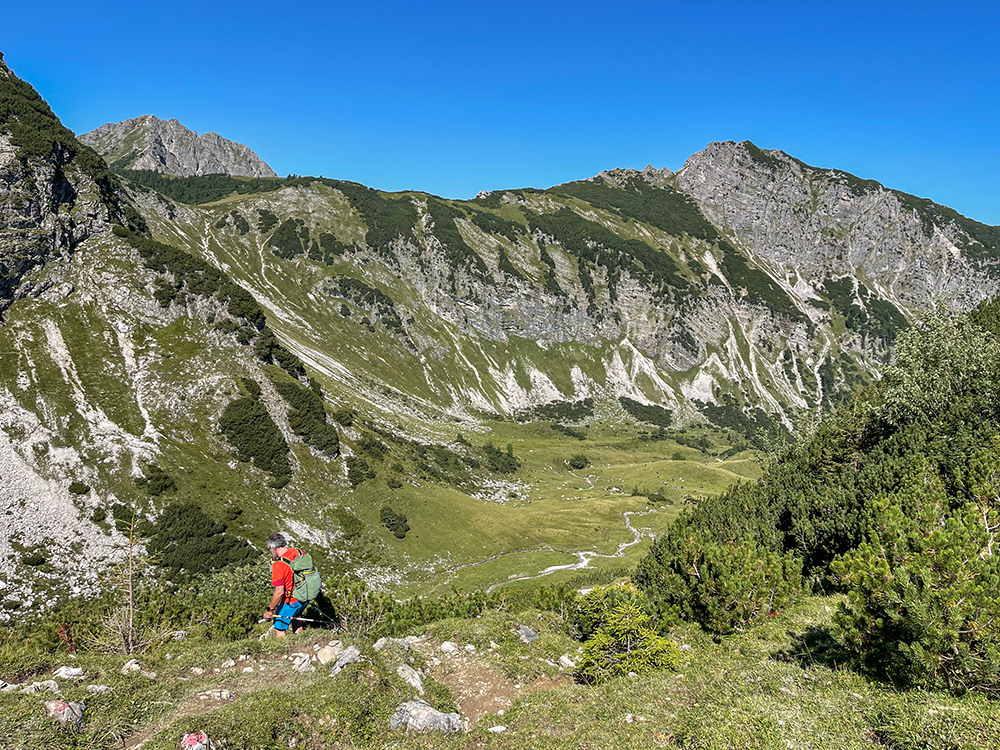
(166, 146)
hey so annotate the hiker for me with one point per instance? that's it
(287, 579)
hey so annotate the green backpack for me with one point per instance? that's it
(308, 581)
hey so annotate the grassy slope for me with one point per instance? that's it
(778, 686)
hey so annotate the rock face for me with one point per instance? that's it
(166, 146)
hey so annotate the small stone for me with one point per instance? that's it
(494, 646)
(629, 718)
(148, 675)
(69, 673)
(247, 670)
(449, 648)
(197, 671)
(243, 657)
(566, 663)
(51, 685)
(216, 695)
(632, 675)
(179, 635)
(350, 656)
(303, 664)
(132, 665)
(196, 741)
(169, 657)
(498, 729)
(470, 648)
(65, 712)
(685, 647)
(98, 689)
(228, 663)
(526, 634)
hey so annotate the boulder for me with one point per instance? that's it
(351, 654)
(196, 741)
(419, 716)
(69, 673)
(66, 712)
(410, 676)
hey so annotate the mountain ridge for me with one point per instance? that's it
(629, 299)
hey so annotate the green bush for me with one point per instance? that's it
(186, 542)
(395, 522)
(250, 430)
(924, 587)
(286, 242)
(350, 524)
(620, 637)
(579, 461)
(269, 350)
(34, 559)
(725, 587)
(498, 461)
(99, 515)
(650, 413)
(78, 488)
(358, 470)
(307, 417)
(155, 481)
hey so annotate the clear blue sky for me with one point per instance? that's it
(453, 98)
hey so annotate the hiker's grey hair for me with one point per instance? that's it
(276, 540)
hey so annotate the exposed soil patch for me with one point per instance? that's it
(481, 689)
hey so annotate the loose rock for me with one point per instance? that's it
(302, 664)
(69, 673)
(216, 695)
(449, 648)
(498, 729)
(132, 665)
(179, 635)
(329, 654)
(566, 663)
(66, 712)
(228, 663)
(98, 689)
(350, 655)
(526, 634)
(418, 716)
(410, 676)
(196, 741)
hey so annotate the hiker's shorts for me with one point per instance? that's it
(284, 616)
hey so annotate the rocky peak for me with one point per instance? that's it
(166, 146)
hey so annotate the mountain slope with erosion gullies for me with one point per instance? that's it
(409, 385)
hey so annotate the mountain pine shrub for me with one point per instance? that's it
(250, 430)
(723, 586)
(924, 587)
(620, 635)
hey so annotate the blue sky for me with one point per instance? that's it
(453, 98)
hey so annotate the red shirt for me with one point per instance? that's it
(282, 575)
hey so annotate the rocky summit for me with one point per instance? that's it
(166, 146)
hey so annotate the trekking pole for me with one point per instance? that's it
(300, 619)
